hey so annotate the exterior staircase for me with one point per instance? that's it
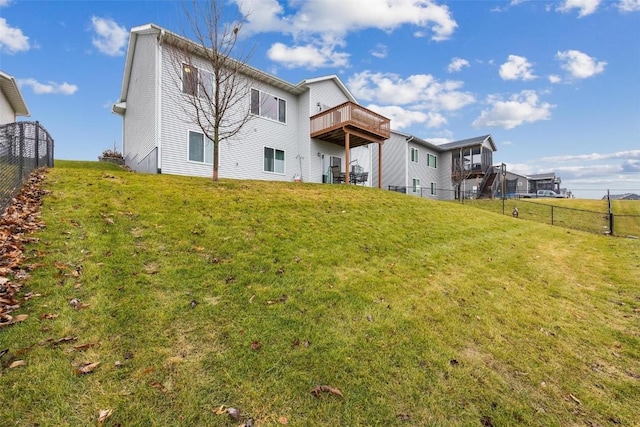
(486, 192)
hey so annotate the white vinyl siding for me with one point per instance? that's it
(274, 160)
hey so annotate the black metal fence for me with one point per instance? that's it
(606, 221)
(24, 146)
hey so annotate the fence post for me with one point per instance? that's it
(551, 214)
(37, 147)
(610, 214)
(21, 151)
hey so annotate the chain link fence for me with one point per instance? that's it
(611, 220)
(24, 146)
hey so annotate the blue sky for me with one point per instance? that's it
(556, 83)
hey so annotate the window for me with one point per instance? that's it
(431, 159)
(416, 185)
(269, 106)
(189, 80)
(206, 85)
(414, 155)
(200, 148)
(197, 82)
(433, 189)
(273, 160)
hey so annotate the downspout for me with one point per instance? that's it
(159, 99)
(406, 164)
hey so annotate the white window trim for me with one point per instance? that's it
(285, 160)
(429, 163)
(416, 189)
(417, 156)
(286, 113)
(204, 137)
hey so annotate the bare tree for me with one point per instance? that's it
(212, 73)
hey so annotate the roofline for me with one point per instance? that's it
(173, 38)
(336, 79)
(9, 85)
(453, 145)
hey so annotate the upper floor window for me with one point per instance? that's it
(269, 106)
(196, 82)
(189, 80)
(431, 159)
(414, 155)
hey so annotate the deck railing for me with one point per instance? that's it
(350, 114)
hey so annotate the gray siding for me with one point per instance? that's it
(421, 169)
(7, 115)
(139, 138)
(394, 161)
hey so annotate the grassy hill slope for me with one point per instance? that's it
(197, 296)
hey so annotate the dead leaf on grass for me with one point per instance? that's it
(283, 420)
(486, 421)
(87, 368)
(159, 386)
(325, 389)
(85, 346)
(103, 415)
(282, 299)
(575, 399)
(256, 345)
(17, 363)
(47, 316)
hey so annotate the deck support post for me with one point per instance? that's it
(347, 175)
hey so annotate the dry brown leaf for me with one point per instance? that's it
(220, 411)
(87, 368)
(17, 363)
(283, 420)
(325, 389)
(20, 318)
(283, 298)
(256, 345)
(85, 346)
(575, 399)
(159, 386)
(48, 316)
(103, 415)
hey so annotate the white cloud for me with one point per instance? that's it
(49, 87)
(524, 107)
(307, 56)
(627, 155)
(457, 64)
(422, 89)
(380, 51)
(403, 118)
(110, 38)
(629, 5)
(12, 39)
(4, 3)
(316, 22)
(586, 7)
(516, 68)
(320, 17)
(580, 65)
(507, 143)
(554, 78)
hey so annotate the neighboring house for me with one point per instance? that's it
(12, 103)
(514, 184)
(312, 130)
(625, 196)
(444, 171)
(544, 181)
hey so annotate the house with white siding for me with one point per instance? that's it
(415, 166)
(314, 130)
(12, 103)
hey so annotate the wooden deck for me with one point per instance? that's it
(363, 125)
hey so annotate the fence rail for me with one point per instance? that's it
(24, 146)
(606, 221)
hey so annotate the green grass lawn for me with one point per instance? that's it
(196, 295)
